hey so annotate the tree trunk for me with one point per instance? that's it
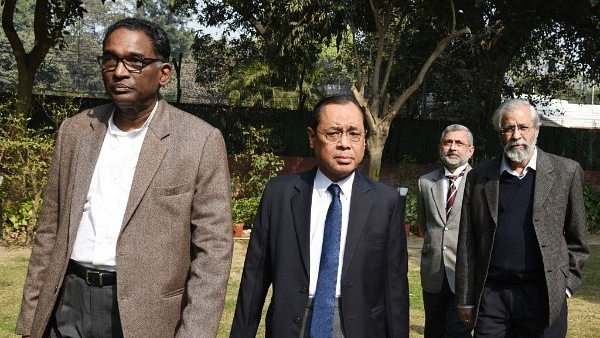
(29, 62)
(375, 144)
(25, 91)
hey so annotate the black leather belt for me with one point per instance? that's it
(92, 277)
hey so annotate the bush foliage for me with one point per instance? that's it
(254, 167)
(25, 155)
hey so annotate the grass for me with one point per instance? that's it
(584, 306)
(13, 267)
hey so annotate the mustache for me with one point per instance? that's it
(517, 143)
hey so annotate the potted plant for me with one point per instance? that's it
(243, 213)
(255, 167)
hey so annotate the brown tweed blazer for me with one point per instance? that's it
(174, 249)
(559, 220)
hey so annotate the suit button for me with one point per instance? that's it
(304, 289)
(445, 228)
(444, 248)
(298, 320)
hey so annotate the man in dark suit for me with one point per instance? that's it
(135, 236)
(371, 288)
(438, 213)
(522, 243)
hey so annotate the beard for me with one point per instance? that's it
(519, 154)
(452, 162)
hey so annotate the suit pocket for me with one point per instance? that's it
(173, 190)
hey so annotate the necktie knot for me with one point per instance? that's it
(334, 190)
(454, 177)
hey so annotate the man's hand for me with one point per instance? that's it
(466, 313)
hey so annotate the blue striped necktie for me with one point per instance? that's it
(324, 299)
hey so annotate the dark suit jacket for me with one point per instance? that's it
(558, 217)
(374, 286)
(174, 248)
(438, 255)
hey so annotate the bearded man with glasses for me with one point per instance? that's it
(521, 242)
(135, 236)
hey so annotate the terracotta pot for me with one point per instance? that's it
(238, 228)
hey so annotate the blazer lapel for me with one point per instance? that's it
(458, 199)
(439, 195)
(153, 151)
(544, 180)
(491, 188)
(90, 144)
(360, 204)
(301, 210)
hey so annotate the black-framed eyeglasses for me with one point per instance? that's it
(335, 135)
(133, 64)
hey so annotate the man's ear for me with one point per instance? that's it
(166, 69)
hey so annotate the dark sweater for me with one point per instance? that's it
(516, 255)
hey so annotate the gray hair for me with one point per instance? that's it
(457, 127)
(512, 105)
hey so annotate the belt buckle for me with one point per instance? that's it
(93, 277)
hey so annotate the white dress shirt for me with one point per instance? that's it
(320, 203)
(96, 241)
(456, 172)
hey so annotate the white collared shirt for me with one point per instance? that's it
(320, 203)
(456, 172)
(96, 241)
(532, 165)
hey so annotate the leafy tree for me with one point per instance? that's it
(49, 74)
(396, 32)
(51, 18)
(383, 35)
(291, 32)
(517, 47)
(50, 26)
(221, 64)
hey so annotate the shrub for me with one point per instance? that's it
(25, 154)
(254, 168)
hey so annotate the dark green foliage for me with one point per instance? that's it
(25, 154)
(592, 207)
(252, 169)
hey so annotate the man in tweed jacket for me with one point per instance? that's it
(135, 236)
(521, 245)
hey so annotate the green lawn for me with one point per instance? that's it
(584, 307)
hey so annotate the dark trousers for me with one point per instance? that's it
(518, 311)
(441, 317)
(84, 311)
